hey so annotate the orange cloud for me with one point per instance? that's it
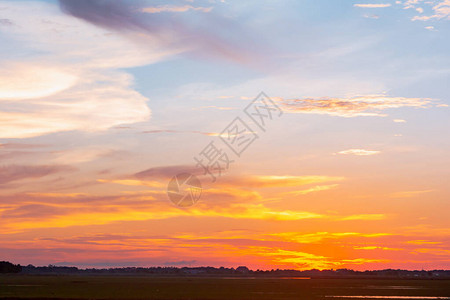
(261, 181)
(367, 217)
(423, 242)
(133, 182)
(317, 188)
(362, 261)
(369, 105)
(55, 210)
(300, 259)
(375, 248)
(434, 251)
(321, 236)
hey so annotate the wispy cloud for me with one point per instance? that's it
(363, 261)
(86, 154)
(247, 181)
(367, 217)
(21, 146)
(375, 248)
(58, 210)
(6, 22)
(434, 251)
(133, 182)
(359, 152)
(423, 242)
(371, 16)
(33, 211)
(302, 260)
(260, 181)
(182, 131)
(313, 189)
(369, 105)
(440, 8)
(197, 247)
(164, 172)
(373, 5)
(321, 236)
(19, 172)
(173, 8)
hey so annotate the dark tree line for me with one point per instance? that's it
(7, 267)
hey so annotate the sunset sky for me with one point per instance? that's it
(103, 102)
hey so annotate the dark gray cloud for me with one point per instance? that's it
(114, 15)
(209, 36)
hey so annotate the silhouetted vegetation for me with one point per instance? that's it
(241, 271)
(7, 267)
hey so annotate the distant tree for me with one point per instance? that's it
(7, 267)
(242, 270)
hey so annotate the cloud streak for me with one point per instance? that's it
(173, 8)
(373, 5)
(182, 131)
(19, 172)
(359, 152)
(361, 106)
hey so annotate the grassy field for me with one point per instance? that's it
(103, 287)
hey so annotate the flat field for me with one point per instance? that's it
(134, 287)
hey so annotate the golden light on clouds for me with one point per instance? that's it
(266, 181)
(368, 217)
(361, 106)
